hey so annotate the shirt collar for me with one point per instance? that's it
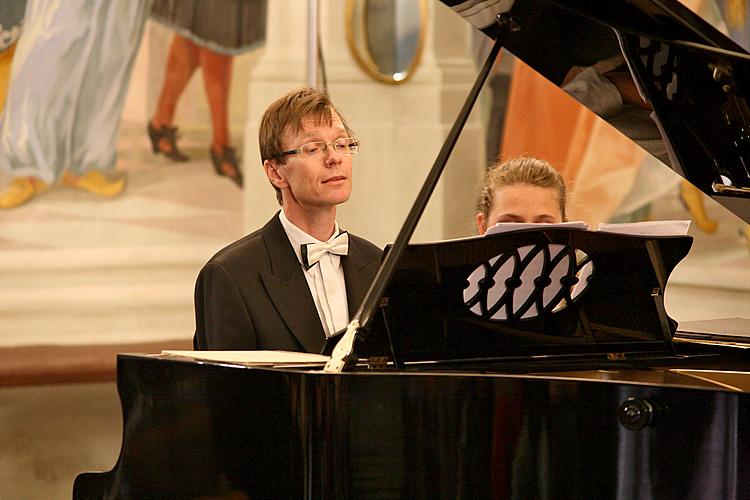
(297, 237)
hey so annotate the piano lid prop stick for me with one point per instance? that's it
(343, 353)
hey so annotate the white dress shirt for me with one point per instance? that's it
(325, 279)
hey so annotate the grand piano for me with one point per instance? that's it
(538, 363)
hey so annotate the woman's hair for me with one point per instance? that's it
(524, 170)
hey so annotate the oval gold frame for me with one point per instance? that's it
(364, 58)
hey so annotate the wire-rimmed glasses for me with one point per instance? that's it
(345, 145)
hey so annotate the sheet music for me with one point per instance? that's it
(644, 228)
(648, 228)
(252, 358)
(504, 227)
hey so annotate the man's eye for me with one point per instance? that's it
(311, 149)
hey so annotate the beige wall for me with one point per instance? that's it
(49, 434)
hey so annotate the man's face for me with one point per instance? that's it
(521, 203)
(321, 181)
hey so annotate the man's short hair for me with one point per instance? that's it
(524, 170)
(285, 116)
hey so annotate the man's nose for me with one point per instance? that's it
(332, 154)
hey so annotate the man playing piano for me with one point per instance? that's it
(295, 281)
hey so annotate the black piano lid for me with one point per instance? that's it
(695, 78)
(454, 300)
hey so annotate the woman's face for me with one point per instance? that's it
(521, 203)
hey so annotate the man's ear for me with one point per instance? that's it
(481, 223)
(273, 174)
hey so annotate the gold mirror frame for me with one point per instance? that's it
(364, 57)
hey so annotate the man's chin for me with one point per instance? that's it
(339, 197)
(328, 201)
(341, 200)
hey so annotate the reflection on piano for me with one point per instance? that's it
(431, 394)
(693, 77)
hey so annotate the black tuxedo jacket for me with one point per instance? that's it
(253, 294)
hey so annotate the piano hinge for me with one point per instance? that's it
(377, 362)
(616, 356)
(730, 189)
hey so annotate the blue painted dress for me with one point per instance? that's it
(68, 85)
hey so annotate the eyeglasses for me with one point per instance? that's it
(345, 145)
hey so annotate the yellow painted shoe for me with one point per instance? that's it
(21, 190)
(692, 197)
(95, 183)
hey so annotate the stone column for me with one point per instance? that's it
(280, 68)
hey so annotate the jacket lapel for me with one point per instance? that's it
(288, 290)
(356, 282)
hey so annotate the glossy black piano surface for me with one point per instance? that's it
(588, 394)
(207, 430)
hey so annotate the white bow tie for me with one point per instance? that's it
(312, 252)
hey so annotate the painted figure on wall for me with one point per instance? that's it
(11, 23)
(67, 90)
(207, 35)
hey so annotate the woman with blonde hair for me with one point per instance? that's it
(526, 189)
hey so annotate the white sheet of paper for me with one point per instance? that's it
(504, 227)
(252, 357)
(648, 228)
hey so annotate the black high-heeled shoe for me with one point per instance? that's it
(227, 157)
(170, 135)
